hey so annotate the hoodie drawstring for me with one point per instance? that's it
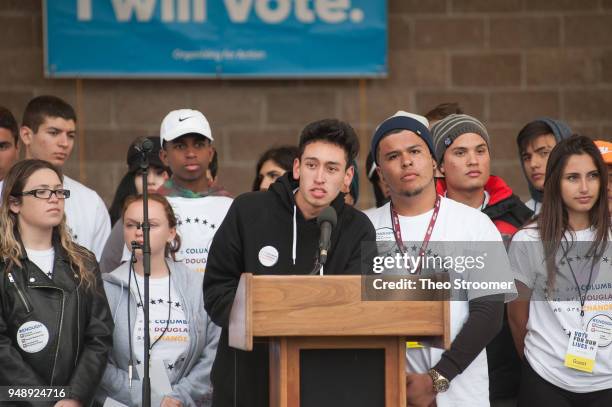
(294, 246)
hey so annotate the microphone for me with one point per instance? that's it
(144, 146)
(327, 221)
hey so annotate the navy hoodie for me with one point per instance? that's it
(256, 220)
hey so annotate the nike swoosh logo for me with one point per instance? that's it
(181, 119)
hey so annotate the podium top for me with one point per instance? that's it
(297, 305)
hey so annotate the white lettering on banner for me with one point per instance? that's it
(142, 8)
(238, 11)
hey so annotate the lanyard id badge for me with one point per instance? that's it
(581, 351)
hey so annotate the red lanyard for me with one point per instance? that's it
(397, 231)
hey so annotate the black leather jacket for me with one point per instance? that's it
(78, 322)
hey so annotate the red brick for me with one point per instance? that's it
(559, 5)
(560, 67)
(453, 33)
(525, 32)
(591, 131)
(102, 145)
(18, 32)
(523, 106)
(400, 33)
(486, 70)
(28, 7)
(413, 7)
(581, 105)
(237, 178)
(299, 107)
(485, 6)
(380, 103)
(503, 143)
(21, 67)
(606, 68)
(15, 101)
(228, 105)
(414, 69)
(588, 30)
(144, 104)
(472, 103)
(247, 145)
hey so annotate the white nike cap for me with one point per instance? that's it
(177, 123)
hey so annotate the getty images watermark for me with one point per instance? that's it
(440, 271)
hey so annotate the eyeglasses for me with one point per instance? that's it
(46, 193)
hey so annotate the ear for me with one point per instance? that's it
(26, 135)
(14, 205)
(172, 235)
(348, 177)
(296, 169)
(163, 155)
(440, 167)
(380, 174)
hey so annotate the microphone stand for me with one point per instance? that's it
(146, 262)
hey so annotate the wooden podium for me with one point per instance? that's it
(300, 313)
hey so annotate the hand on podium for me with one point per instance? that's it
(420, 390)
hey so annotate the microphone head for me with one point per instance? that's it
(328, 215)
(147, 145)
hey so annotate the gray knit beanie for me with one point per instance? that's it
(452, 126)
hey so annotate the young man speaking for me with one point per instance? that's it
(403, 150)
(275, 232)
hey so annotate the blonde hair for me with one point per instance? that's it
(11, 248)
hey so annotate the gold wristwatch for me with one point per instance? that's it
(440, 383)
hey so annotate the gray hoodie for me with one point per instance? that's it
(190, 378)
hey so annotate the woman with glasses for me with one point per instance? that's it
(55, 323)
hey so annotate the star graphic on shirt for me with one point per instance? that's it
(429, 252)
(180, 222)
(153, 302)
(414, 248)
(138, 362)
(50, 274)
(139, 305)
(197, 220)
(212, 225)
(204, 222)
(605, 259)
(170, 366)
(160, 301)
(177, 304)
(188, 220)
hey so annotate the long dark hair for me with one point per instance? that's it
(283, 156)
(553, 220)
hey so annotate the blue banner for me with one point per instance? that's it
(215, 38)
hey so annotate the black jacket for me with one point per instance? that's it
(78, 321)
(256, 220)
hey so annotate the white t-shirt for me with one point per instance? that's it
(535, 206)
(87, 217)
(43, 260)
(198, 221)
(455, 223)
(551, 317)
(175, 340)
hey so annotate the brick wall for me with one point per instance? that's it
(505, 61)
